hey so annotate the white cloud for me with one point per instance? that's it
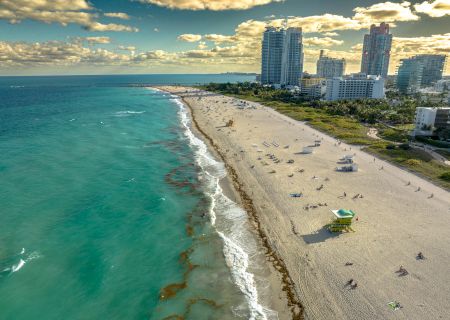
(96, 40)
(218, 38)
(63, 12)
(202, 45)
(188, 37)
(385, 12)
(322, 42)
(127, 48)
(215, 5)
(96, 26)
(118, 15)
(435, 9)
(435, 44)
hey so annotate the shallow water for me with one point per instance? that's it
(111, 208)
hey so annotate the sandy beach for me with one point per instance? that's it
(398, 216)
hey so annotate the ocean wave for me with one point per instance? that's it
(18, 266)
(229, 220)
(21, 259)
(127, 113)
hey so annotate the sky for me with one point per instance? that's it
(55, 37)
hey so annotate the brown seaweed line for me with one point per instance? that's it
(171, 290)
(190, 304)
(169, 178)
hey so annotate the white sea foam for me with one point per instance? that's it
(24, 260)
(127, 113)
(18, 266)
(229, 220)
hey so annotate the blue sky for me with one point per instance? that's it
(174, 36)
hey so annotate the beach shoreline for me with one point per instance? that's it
(230, 184)
(316, 269)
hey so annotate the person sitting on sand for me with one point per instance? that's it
(420, 256)
(402, 271)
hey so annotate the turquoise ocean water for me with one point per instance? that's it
(110, 207)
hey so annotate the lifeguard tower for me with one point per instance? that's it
(343, 220)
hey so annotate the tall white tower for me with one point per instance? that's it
(292, 58)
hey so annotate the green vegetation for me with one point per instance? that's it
(436, 143)
(446, 176)
(415, 160)
(349, 121)
(397, 134)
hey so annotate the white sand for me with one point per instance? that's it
(395, 220)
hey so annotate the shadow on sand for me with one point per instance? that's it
(319, 236)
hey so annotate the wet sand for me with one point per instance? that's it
(396, 219)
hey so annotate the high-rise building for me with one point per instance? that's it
(376, 51)
(330, 67)
(272, 54)
(292, 60)
(356, 86)
(409, 76)
(433, 67)
(282, 56)
(419, 71)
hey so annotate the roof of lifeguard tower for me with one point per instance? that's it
(343, 213)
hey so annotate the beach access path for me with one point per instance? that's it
(398, 214)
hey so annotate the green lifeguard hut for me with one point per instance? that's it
(343, 220)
